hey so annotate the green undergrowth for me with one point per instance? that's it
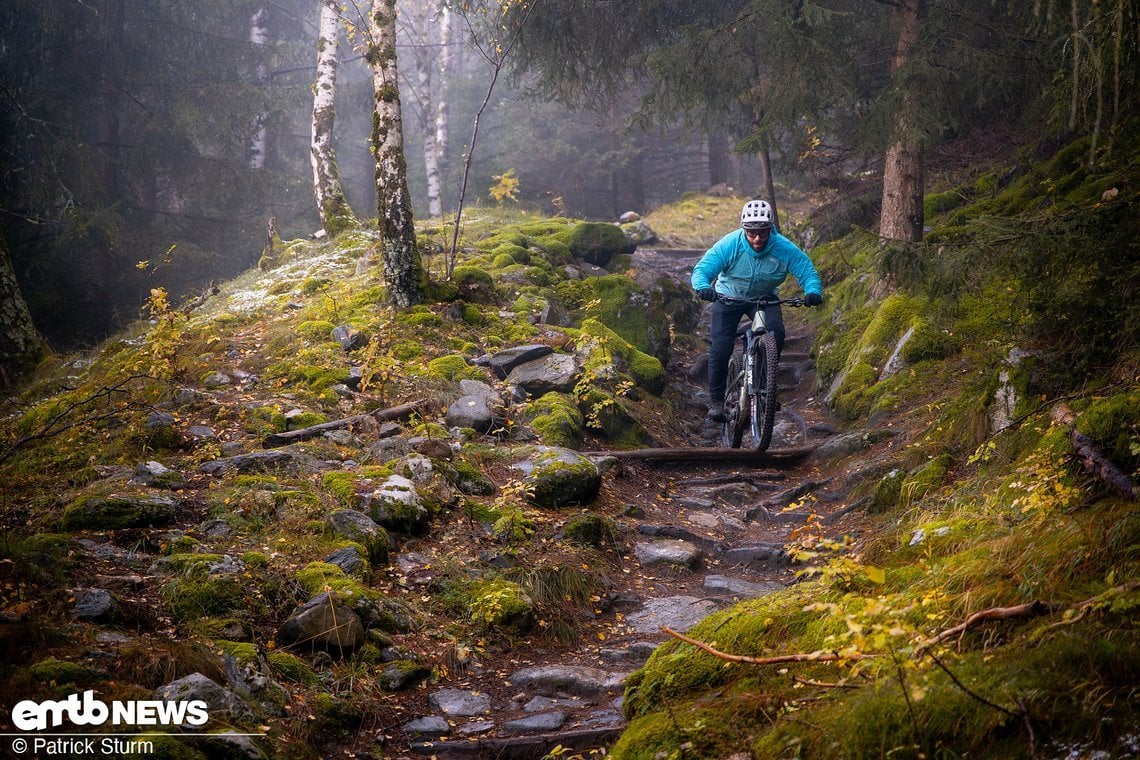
(1021, 297)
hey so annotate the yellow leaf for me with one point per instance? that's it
(875, 574)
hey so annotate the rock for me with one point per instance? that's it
(432, 725)
(95, 604)
(549, 680)
(459, 702)
(597, 242)
(677, 612)
(668, 552)
(474, 411)
(719, 584)
(850, 443)
(559, 477)
(556, 372)
(323, 623)
(742, 555)
(397, 506)
(629, 216)
(349, 560)
(349, 339)
(502, 362)
(157, 475)
(256, 461)
(198, 687)
(120, 511)
(534, 724)
(360, 528)
(639, 233)
(402, 674)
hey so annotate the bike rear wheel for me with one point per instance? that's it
(762, 406)
(735, 408)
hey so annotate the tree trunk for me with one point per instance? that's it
(422, 53)
(331, 204)
(20, 342)
(718, 157)
(901, 217)
(403, 269)
(441, 102)
(258, 37)
(111, 85)
(767, 183)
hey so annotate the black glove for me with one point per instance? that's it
(707, 294)
(813, 299)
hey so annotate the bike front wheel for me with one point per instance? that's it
(762, 398)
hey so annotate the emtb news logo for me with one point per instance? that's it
(89, 711)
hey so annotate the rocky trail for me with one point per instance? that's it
(701, 535)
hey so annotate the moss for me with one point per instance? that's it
(242, 651)
(315, 285)
(192, 598)
(61, 672)
(474, 284)
(315, 330)
(887, 493)
(292, 668)
(116, 511)
(925, 479)
(348, 485)
(469, 479)
(255, 559)
(454, 367)
(420, 316)
(556, 420)
(596, 242)
(189, 564)
(590, 529)
(502, 604)
(407, 350)
(1113, 423)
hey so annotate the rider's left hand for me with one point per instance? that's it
(813, 299)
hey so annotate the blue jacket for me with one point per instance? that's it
(741, 272)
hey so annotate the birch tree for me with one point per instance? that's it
(419, 26)
(332, 206)
(258, 38)
(403, 268)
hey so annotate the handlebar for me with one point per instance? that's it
(762, 302)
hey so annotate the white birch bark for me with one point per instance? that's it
(259, 36)
(441, 102)
(403, 269)
(331, 204)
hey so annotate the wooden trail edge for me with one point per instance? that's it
(392, 413)
(1093, 459)
(707, 454)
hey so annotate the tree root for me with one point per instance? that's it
(1091, 458)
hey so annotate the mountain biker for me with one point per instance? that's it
(748, 263)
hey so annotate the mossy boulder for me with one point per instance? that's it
(925, 479)
(502, 604)
(454, 367)
(602, 346)
(556, 420)
(474, 284)
(622, 305)
(397, 506)
(558, 477)
(597, 242)
(122, 510)
(589, 529)
(60, 672)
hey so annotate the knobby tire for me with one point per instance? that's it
(763, 397)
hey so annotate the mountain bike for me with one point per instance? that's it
(750, 391)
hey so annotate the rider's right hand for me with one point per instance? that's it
(707, 294)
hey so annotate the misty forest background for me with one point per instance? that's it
(147, 144)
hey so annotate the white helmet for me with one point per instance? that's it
(756, 215)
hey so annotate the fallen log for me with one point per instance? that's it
(402, 411)
(1095, 461)
(1029, 609)
(698, 454)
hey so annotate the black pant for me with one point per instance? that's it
(723, 321)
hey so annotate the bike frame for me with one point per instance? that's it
(750, 398)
